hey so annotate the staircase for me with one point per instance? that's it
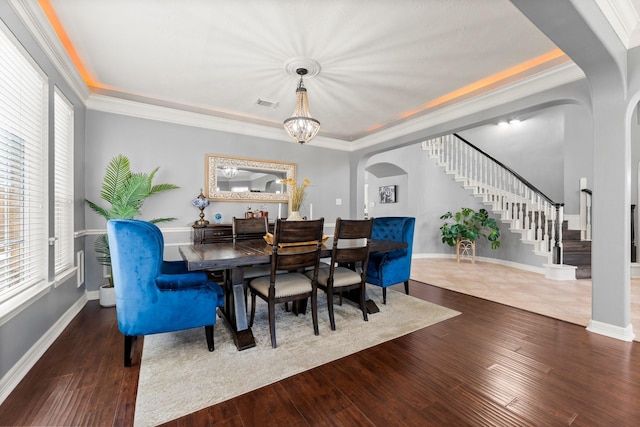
(576, 251)
(510, 197)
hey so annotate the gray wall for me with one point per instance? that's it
(532, 148)
(179, 151)
(551, 148)
(430, 193)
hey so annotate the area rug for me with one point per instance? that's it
(178, 375)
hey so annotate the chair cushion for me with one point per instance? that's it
(342, 276)
(286, 284)
(257, 270)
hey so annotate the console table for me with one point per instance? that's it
(219, 233)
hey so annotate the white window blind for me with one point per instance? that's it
(63, 165)
(23, 120)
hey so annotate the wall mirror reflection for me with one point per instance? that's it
(238, 179)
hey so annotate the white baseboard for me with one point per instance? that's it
(12, 378)
(560, 272)
(612, 331)
(635, 270)
(92, 295)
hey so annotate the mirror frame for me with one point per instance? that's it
(214, 161)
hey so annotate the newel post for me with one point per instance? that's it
(557, 235)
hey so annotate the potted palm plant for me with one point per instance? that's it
(125, 192)
(467, 225)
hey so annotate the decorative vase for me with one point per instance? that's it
(295, 216)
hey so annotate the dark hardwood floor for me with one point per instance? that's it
(491, 366)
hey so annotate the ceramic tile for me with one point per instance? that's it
(565, 300)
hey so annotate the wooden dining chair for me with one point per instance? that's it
(249, 228)
(349, 253)
(296, 246)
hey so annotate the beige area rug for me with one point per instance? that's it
(179, 375)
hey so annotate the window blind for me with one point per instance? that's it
(23, 120)
(63, 185)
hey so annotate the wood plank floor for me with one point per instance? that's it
(494, 365)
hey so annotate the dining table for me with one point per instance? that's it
(233, 257)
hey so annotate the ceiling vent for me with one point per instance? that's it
(267, 103)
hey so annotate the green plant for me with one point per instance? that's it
(467, 224)
(125, 191)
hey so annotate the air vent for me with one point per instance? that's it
(267, 103)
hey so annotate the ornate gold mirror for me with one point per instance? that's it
(239, 179)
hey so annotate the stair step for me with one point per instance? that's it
(583, 272)
(576, 246)
(572, 235)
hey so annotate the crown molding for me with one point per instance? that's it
(36, 22)
(624, 19)
(554, 77)
(109, 104)
(557, 76)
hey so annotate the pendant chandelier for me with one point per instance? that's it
(301, 127)
(230, 172)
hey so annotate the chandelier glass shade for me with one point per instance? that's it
(230, 172)
(301, 127)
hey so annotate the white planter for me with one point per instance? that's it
(107, 296)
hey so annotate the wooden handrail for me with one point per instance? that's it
(511, 171)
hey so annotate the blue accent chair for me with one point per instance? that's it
(152, 295)
(389, 268)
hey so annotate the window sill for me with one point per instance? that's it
(64, 276)
(12, 305)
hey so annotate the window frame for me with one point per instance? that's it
(18, 296)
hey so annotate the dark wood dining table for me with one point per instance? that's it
(231, 257)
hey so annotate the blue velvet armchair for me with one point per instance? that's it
(152, 295)
(389, 268)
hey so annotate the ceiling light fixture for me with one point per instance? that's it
(301, 127)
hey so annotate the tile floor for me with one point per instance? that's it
(564, 300)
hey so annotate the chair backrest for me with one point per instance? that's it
(249, 228)
(351, 241)
(296, 245)
(397, 229)
(136, 249)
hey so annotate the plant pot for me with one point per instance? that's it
(107, 296)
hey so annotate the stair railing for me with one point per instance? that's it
(528, 209)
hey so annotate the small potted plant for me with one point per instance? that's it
(465, 226)
(125, 191)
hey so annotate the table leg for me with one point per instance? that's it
(235, 310)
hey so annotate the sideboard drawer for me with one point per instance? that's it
(212, 233)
